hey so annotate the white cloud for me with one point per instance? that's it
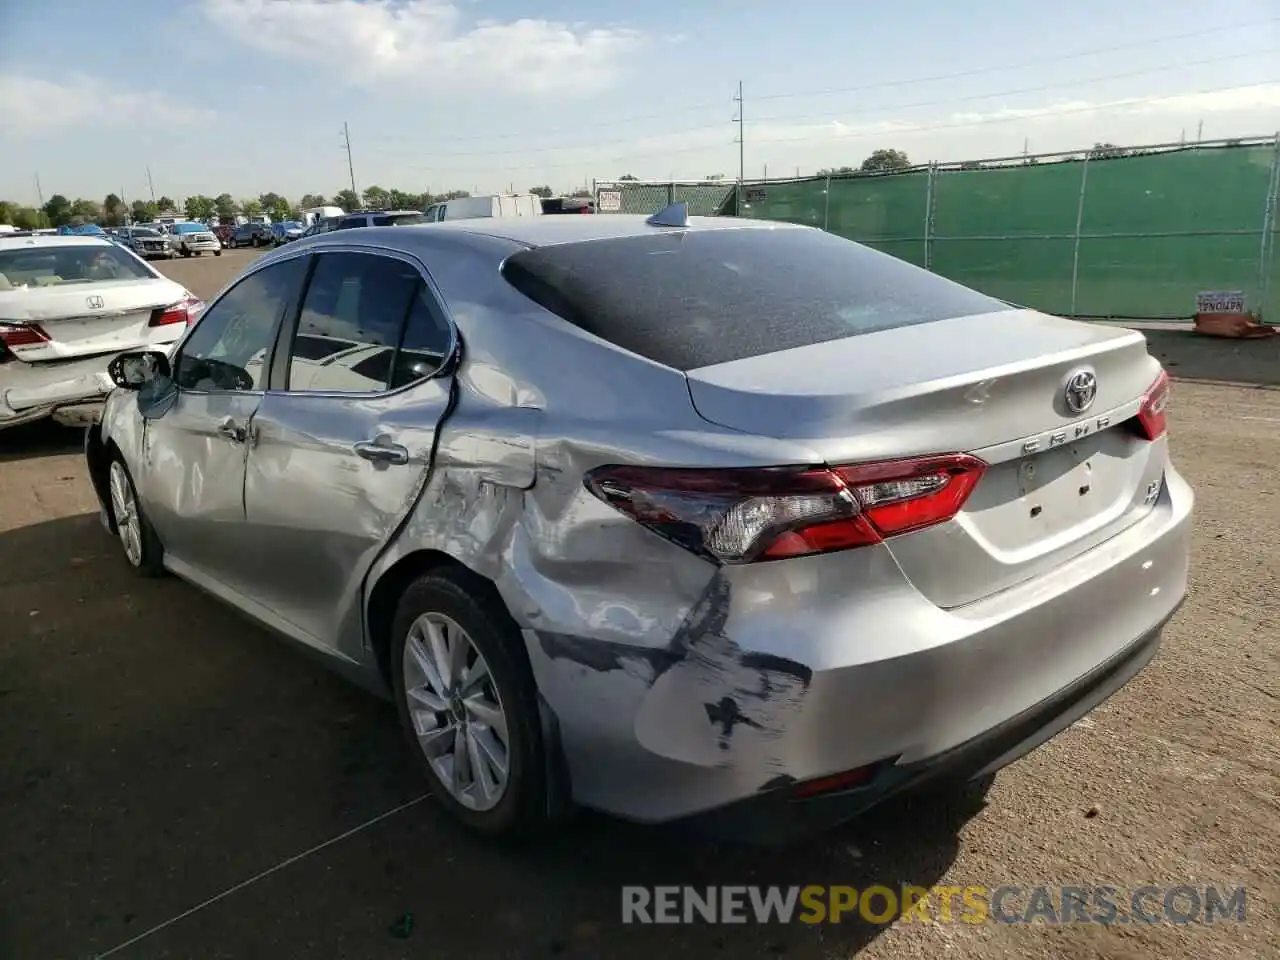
(32, 106)
(426, 42)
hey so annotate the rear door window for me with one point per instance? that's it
(691, 299)
(352, 317)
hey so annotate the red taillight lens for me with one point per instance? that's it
(769, 513)
(184, 311)
(1153, 416)
(21, 335)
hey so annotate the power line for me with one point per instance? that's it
(994, 68)
(1163, 68)
(925, 128)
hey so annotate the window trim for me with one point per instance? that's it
(283, 347)
(269, 359)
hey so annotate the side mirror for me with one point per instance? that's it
(137, 368)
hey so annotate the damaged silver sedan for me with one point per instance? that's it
(717, 521)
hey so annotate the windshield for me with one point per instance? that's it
(403, 218)
(189, 227)
(145, 232)
(291, 225)
(57, 266)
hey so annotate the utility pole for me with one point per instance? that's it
(151, 184)
(351, 169)
(742, 137)
(1200, 131)
(39, 190)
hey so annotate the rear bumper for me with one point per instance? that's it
(30, 392)
(801, 670)
(780, 815)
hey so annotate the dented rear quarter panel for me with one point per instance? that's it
(618, 622)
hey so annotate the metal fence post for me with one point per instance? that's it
(928, 218)
(826, 204)
(1075, 256)
(1269, 214)
(671, 194)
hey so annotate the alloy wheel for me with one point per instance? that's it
(125, 508)
(456, 711)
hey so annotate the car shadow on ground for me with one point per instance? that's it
(41, 439)
(1191, 356)
(160, 750)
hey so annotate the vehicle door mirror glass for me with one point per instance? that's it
(135, 369)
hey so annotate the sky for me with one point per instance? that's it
(249, 96)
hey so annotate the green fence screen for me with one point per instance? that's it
(1134, 236)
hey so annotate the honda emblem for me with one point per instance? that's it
(95, 303)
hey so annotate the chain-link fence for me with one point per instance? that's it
(1115, 232)
(706, 198)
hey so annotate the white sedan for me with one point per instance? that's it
(67, 306)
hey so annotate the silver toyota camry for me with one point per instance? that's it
(733, 523)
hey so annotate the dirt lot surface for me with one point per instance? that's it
(158, 751)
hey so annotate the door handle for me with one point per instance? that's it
(230, 430)
(382, 450)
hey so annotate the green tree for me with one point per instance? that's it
(310, 200)
(543, 191)
(250, 208)
(401, 200)
(143, 211)
(166, 205)
(8, 212)
(348, 200)
(199, 207)
(29, 218)
(224, 205)
(275, 206)
(836, 171)
(58, 210)
(376, 198)
(86, 211)
(114, 212)
(884, 161)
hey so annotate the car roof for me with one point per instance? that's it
(61, 240)
(539, 231)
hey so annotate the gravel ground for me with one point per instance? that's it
(158, 750)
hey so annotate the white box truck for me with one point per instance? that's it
(495, 205)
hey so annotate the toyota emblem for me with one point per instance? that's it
(1080, 391)
(95, 303)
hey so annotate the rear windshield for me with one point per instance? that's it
(57, 266)
(697, 298)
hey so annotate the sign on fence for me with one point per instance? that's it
(609, 201)
(1220, 301)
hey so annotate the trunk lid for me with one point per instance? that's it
(81, 320)
(993, 385)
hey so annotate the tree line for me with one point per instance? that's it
(112, 211)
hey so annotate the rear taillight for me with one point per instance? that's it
(21, 335)
(745, 515)
(1153, 415)
(184, 311)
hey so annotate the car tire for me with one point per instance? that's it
(141, 546)
(217, 253)
(473, 615)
